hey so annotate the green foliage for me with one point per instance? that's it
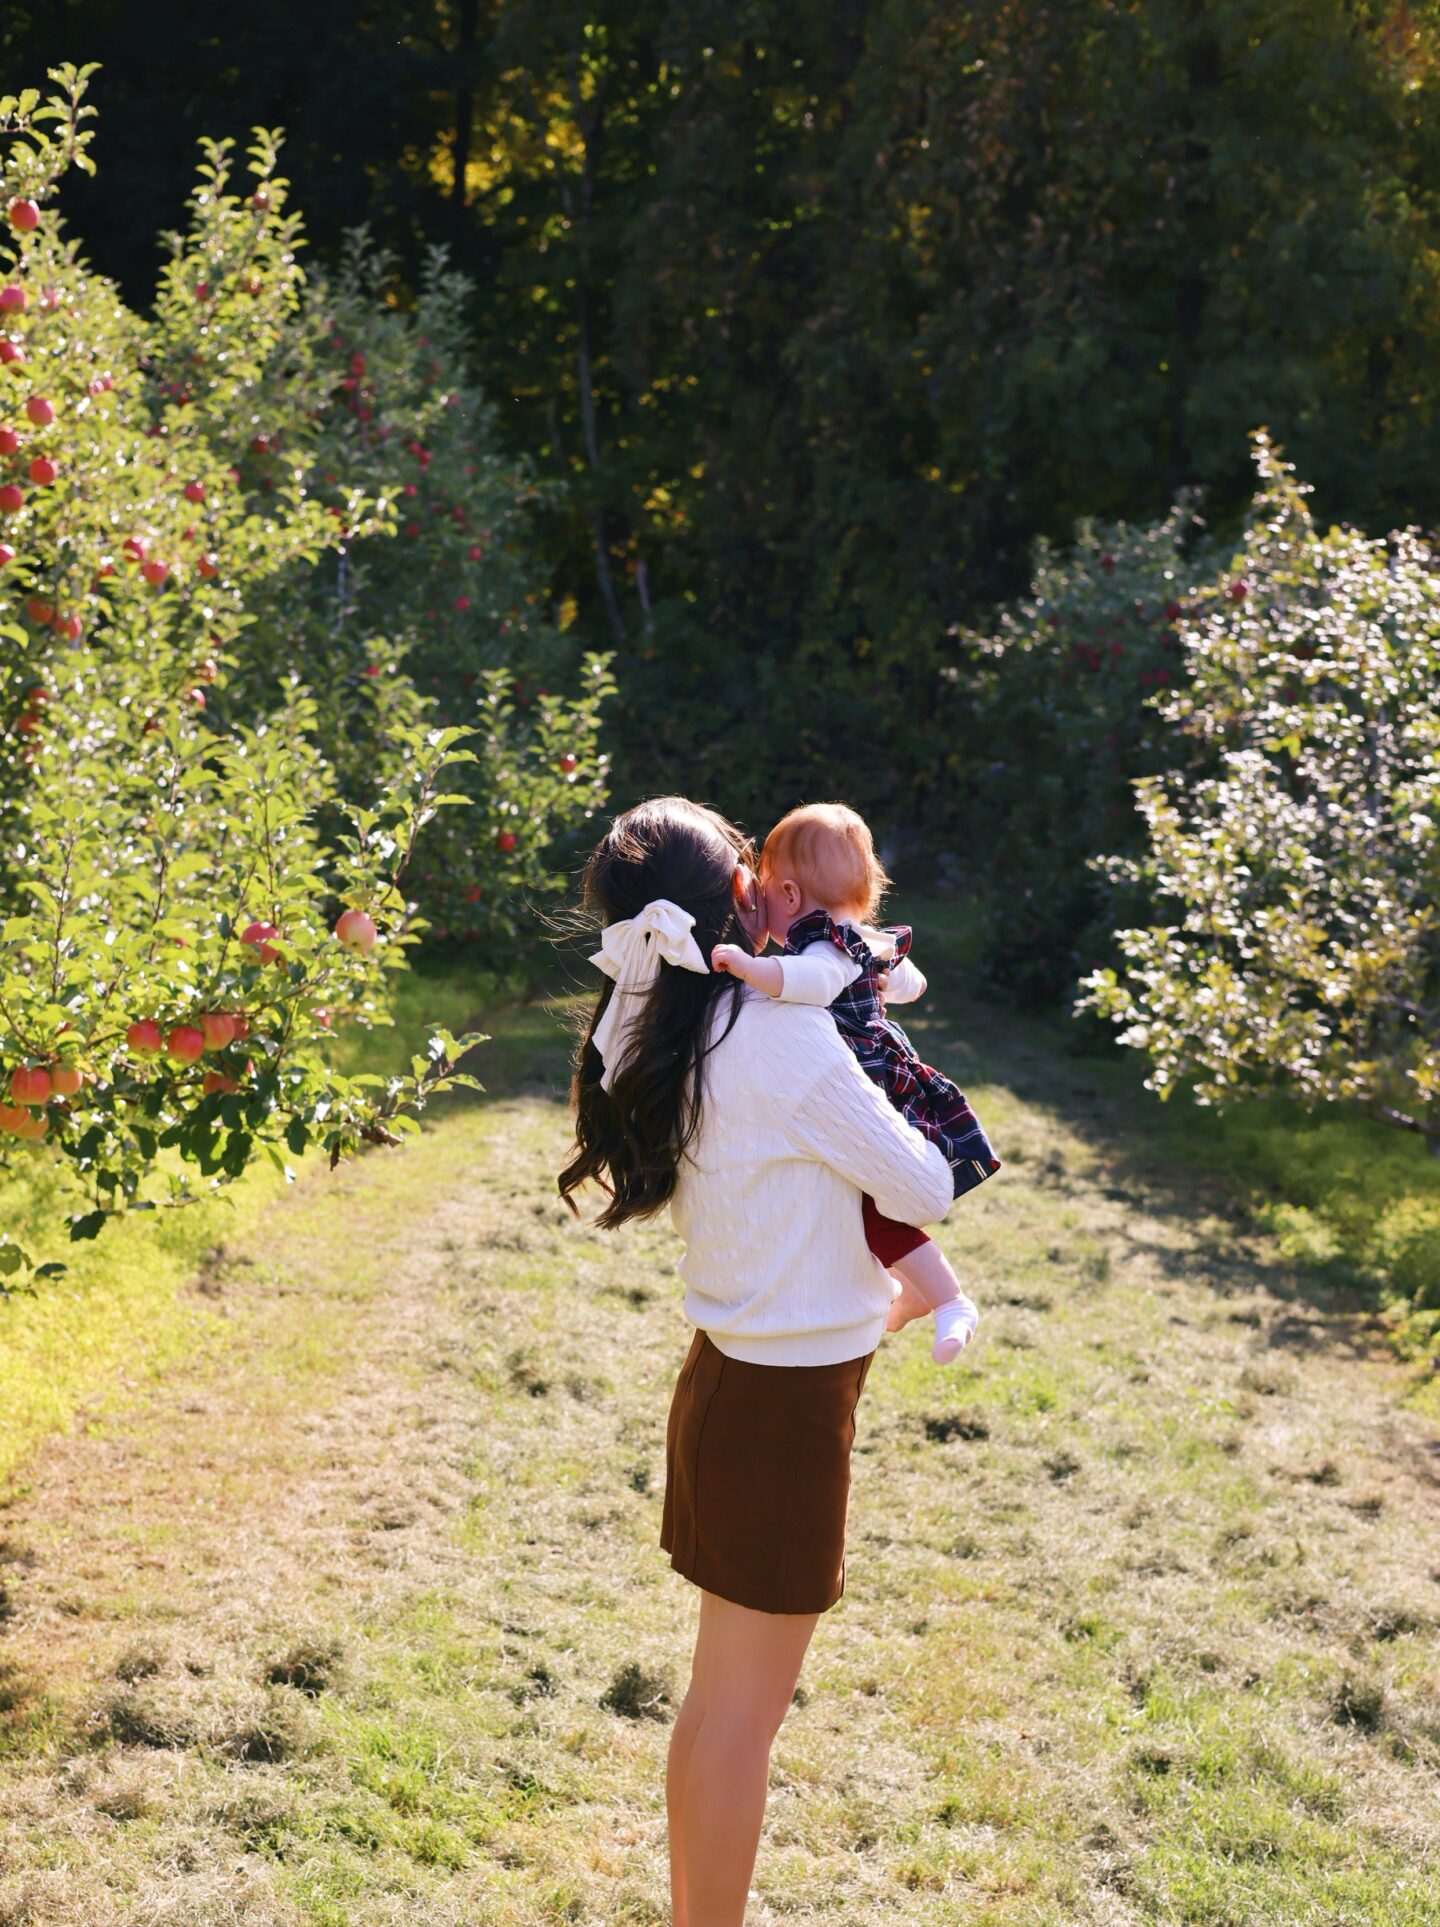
(414, 598)
(173, 768)
(1294, 863)
(969, 274)
(1058, 688)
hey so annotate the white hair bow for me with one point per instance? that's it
(632, 953)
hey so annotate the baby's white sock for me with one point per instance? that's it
(954, 1327)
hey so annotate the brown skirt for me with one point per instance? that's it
(757, 1477)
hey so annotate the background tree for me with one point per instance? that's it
(193, 890)
(818, 316)
(1296, 942)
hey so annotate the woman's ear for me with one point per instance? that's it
(749, 907)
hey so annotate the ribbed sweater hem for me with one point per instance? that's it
(829, 1347)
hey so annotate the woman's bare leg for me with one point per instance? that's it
(677, 1768)
(741, 1684)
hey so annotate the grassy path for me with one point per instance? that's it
(357, 1615)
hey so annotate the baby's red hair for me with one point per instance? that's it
(828, 850)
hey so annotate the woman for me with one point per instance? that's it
(754, 1122)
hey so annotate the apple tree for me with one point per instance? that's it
(1294, 942)
(188, 899)
(341, 395)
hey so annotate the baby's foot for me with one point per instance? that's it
(954, 1327)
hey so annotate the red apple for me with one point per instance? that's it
(194, 491)
(39, 694)
(11, 499)
(67, 1080)
(216, 1083)
(39, 610)
(208, 670)
(1239, 591)
(31, 1086)
(27, 724)
(356, 931)
(24, 216)
(568, 763)
(9, 442)
(41, 410)
(202, 290)
(144, 1039)
(71, 627)
(218, 1028)
(11, 351)
(155, 572)
(195, 698)
(7, 555)
(137, 548)
(42, 471)
(462, 603)
(241, 1023)
(13, 299)
(208, 566)
(505, 842)
(185, 1044)
(256, 935)
(475, 553)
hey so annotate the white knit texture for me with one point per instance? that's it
(792, 1133)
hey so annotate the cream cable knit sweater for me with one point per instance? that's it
(791, 1133)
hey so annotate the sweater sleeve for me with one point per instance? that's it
(844, 1120)
(818, 976)
(906, 983)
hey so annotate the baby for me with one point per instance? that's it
(820, 883)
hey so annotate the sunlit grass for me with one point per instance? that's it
(120, 1311)
(1139, 1625)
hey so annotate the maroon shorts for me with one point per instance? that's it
(889, 1240)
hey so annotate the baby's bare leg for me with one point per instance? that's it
(927, 1274)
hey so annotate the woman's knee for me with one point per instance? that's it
(748, 1661)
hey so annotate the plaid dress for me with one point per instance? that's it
(924, 1097)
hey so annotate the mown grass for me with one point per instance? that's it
(367, 1621)
(119, 1313)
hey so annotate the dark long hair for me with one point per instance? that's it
(630, 1139)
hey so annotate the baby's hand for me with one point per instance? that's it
(731, 958)
(761, 973)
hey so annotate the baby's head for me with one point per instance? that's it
(820, 855)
